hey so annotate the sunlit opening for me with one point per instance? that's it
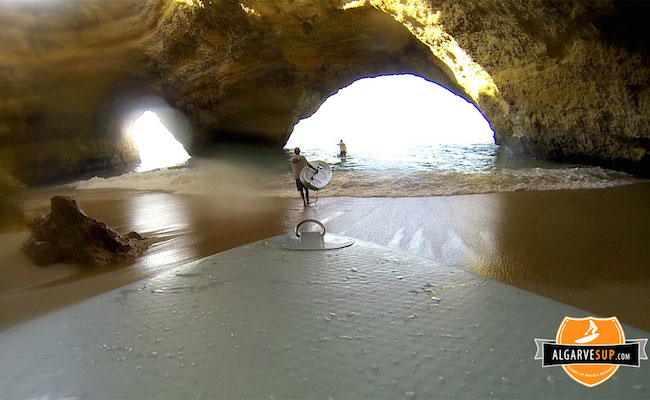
(392, 114)
(157, 146)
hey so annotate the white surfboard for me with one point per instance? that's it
(316, 180)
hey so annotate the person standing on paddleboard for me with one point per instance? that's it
(343, 150)
(299, 162)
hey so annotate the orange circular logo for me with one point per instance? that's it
(581, 332)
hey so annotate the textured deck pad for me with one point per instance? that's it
(256, 322)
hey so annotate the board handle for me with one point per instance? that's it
(315, 221)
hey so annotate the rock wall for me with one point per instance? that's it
(61, 63)
(574, 74)
(252, 74)
(556, 80)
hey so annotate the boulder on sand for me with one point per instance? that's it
(66, 234)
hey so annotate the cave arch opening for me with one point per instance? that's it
(156, 145)
(393, 121)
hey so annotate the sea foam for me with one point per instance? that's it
(224, 178)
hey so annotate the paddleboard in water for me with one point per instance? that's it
(316, 180)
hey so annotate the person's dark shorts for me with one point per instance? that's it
(299, 185)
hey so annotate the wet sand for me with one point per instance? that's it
(179, 228)
(587, 248)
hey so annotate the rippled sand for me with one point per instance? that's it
(587, 248)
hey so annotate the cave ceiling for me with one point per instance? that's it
(556, 80)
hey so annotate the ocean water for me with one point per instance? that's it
(417, 171)
(466, 158)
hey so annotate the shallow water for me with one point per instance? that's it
(436, 170)
(467, 158)
(587, 248)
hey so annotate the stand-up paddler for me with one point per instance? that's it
(299, 162)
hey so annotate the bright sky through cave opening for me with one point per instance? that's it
(157, 147)
(389, 113)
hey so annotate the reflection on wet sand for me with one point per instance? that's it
(180, 229)
(586, 248)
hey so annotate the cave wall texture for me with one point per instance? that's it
(565, 80)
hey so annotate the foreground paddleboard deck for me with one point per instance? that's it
(256, 322)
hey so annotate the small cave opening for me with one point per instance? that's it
(157, 146)
(398, 122)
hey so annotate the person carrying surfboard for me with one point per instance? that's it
(299, 162)
(343, 150)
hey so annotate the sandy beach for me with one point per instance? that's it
(587, 248)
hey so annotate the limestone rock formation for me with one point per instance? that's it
(11, 201)
(66, 234)
(562, 80)
(574, 74)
